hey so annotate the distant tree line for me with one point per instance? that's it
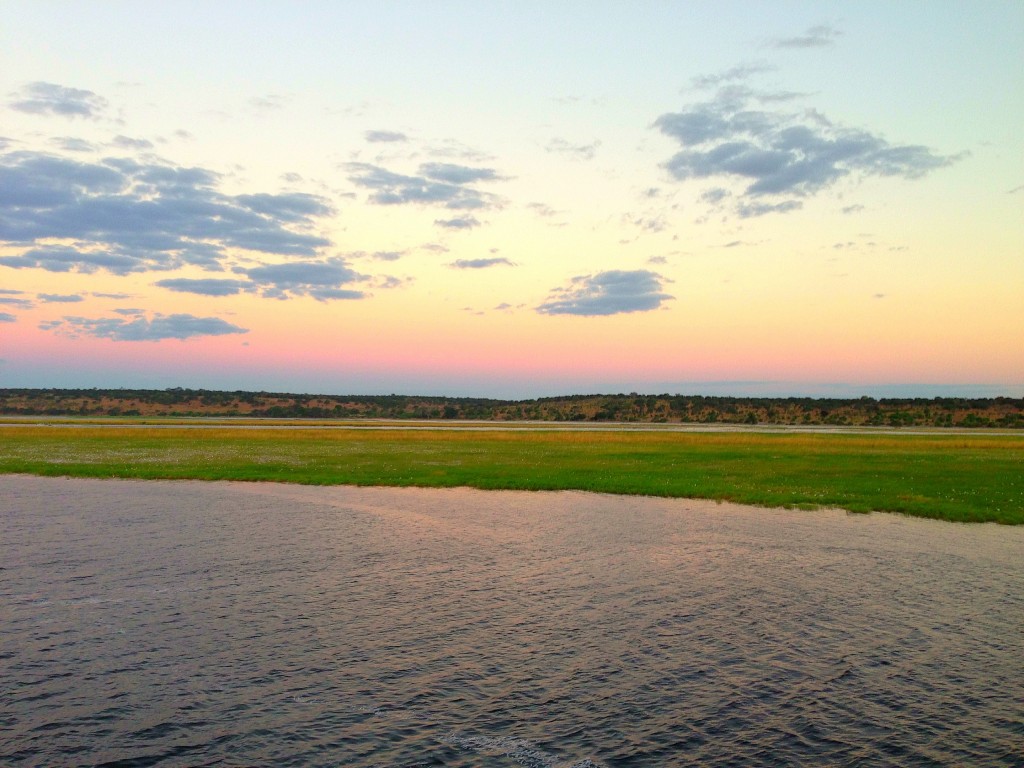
(1003, 412)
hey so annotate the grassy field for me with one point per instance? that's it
(969, 478)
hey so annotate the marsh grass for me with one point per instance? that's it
(952, 477)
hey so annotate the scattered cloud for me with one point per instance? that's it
(739, 72)
(480, 263)
(388, 255)
(12, 301)
(269, 102)
(853, 209)
(657, 260)
(7, 317)
(575, 151)
(59, 298)
(119, 296)
(459, 222)
(819, 36)
(205, 286)
(1015, 190)
(157, 328)
(444, 184)
(542, 209)
(791, 154)
(41, 98)
(715, 195)
(126, 216)
(126, 142)
(10, 292)
(607, 293)
(378, 137)
(321, 280)
(71, 144)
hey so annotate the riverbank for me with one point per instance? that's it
(966, 478)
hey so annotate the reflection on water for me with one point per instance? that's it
(184, 623)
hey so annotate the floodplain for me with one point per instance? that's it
(959, 476)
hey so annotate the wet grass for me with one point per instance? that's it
(970, 478)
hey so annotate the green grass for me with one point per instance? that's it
(952, 477)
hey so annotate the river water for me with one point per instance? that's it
(225, 624)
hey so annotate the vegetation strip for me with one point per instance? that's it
(971, 478)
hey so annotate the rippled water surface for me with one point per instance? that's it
(152, 623)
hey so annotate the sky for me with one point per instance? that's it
(514, 199)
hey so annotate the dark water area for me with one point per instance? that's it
(217, 624)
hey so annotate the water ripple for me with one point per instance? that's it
(186, 624)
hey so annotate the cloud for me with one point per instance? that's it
(388, 255)
(819, 36)
(607, 293)
(7, 317)
(112, 295)
(575, 151)
(377, 137)
(125, 216)
(457, 174)
(444, 184)
(10, 292)
(71, 144)
(126, 142)
(160, 327)
(542, 209)
(59, 298)
(792, 154)
(459, 222)
(853, 208)
(11, 301)
(657, 260)
(321, 280)
(205, 287)
(41, 98)
(480, 263)
(739, 72)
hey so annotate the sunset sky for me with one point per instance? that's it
(514, 199)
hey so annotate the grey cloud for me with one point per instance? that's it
(607, 293)
(384, 136)
(205, 287)
(739, 72)
(59, 298)
(112, 295)
(130, 311)
(71, 144)
(10, 301)
(41, 98)
(321, 280)
(480, 263)
(577, 151)
(657, 260)
(820, 36)
(459, 222)
(780, 153)
(457, 174)
(542, 209)
(714, 195)
(853, 208)
(388, 255)
(125, 216)
(7, 317)
(126, 142)
(750, 210)
(160, 327)
(10, 292)
(445, 186)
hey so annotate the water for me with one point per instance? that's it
(216, 624)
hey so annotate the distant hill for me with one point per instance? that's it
(1000, 412)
